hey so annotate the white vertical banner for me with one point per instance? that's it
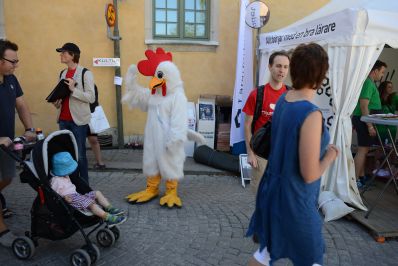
(243, 76)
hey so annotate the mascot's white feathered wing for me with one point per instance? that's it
(166, 129)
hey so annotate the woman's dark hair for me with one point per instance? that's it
(383, 91)
(76, 57)
(308, 66)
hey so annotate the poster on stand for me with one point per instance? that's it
(206, 119)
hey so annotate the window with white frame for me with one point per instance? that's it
(181, 19)
(173, 16)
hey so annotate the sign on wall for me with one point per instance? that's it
(110, 15)
(106, 62)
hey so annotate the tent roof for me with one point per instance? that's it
(341, 22)
(339, 5)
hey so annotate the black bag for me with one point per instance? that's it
(261, 141)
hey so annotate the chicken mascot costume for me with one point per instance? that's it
(166, 128)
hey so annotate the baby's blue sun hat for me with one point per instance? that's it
(63, 164)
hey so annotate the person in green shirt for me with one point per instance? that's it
(389, 104)
(369, 102)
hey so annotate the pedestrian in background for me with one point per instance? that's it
(389, 105)
(74, 110)
(368, 103)
(93, 138)
(286, 221)
(278, 67)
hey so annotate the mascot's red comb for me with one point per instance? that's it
(148, 67)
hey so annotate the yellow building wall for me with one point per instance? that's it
(40, 26)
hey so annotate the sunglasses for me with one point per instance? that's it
(14, 62)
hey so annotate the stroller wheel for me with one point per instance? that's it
(93, 251)
(116, 232)
(34, 239)
(23, 248)
(80, 257)
(105, 237)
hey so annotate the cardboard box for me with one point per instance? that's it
(223, 135)
(220, 100)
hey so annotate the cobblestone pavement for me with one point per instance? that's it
(208, 230)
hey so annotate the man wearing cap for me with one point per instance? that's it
(74, 110)
(11, 99)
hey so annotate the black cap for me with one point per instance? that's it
(70, 47)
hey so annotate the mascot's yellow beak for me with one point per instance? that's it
(155, 82)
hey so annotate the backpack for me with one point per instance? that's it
(259, 104)
(260, 142)
(95, 103)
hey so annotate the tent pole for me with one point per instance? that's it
(257, 56)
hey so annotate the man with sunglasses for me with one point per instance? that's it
(11, 99)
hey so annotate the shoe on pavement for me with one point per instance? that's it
(98, 166)
(382, 172)
(113, 220)
(114, 211)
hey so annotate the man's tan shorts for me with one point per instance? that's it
(257, 173)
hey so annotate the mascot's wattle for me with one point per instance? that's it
(166, 128)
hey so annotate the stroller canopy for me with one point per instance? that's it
(43, 151)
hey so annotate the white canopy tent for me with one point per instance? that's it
(354, 34)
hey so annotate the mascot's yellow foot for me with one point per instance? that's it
(171, 198)
(151, 191)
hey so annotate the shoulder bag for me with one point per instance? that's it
(260, 141)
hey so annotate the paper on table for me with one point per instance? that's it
(385, 116)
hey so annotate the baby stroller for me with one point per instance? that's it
(51, 216)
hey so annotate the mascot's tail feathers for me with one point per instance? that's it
(197, 137)
(135, 95)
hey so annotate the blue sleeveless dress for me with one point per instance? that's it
(286, 219)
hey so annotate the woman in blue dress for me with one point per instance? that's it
(286, 221)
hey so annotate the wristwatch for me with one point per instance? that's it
(30, 129)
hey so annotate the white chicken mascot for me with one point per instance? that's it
(166, 128)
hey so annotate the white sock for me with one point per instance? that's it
(262, 257)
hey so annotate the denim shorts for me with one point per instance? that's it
(7, 167)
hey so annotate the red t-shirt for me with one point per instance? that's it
(270, 98)
(65, 114)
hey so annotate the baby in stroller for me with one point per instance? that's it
(62, 166)
(63, 200)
